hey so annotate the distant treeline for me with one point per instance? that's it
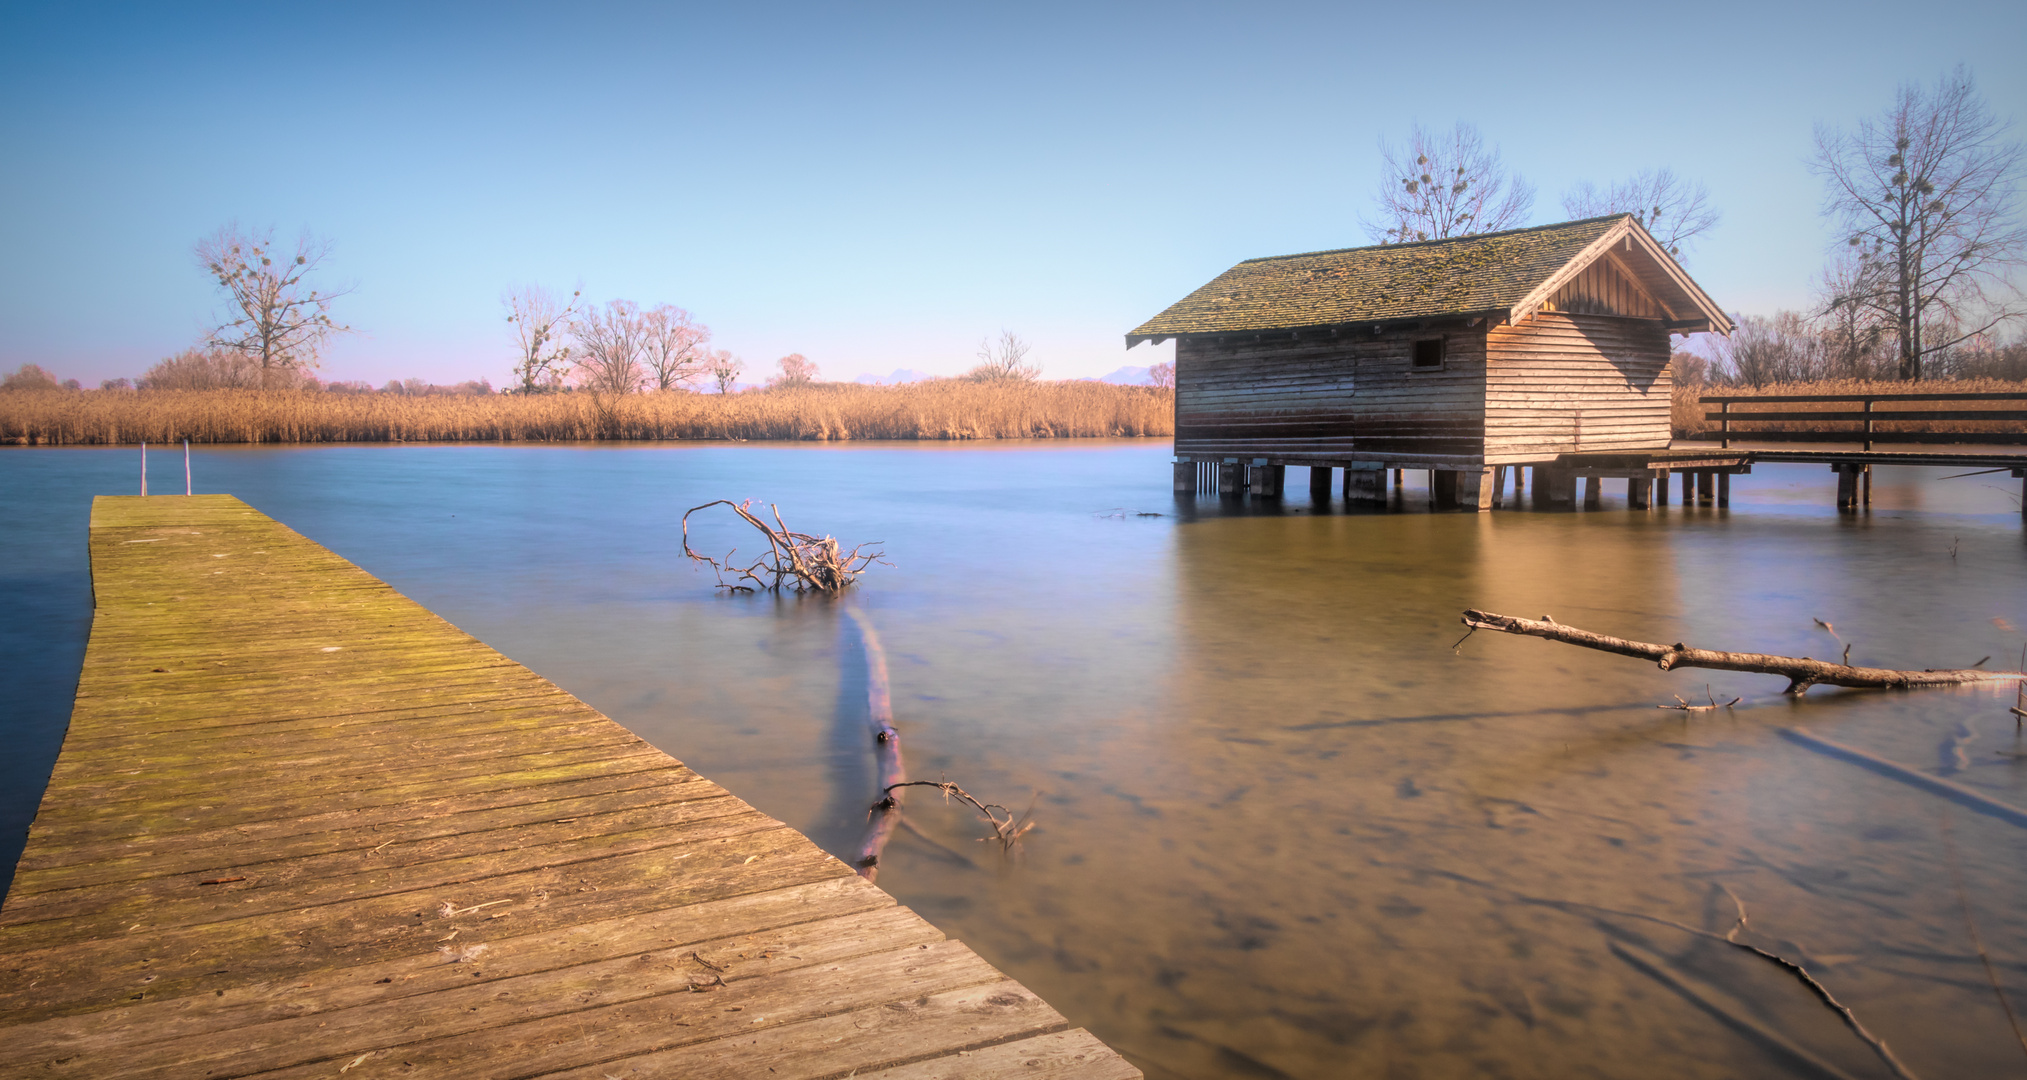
(46, 414)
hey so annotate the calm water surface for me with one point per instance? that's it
(1286, 829)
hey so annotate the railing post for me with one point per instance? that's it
(1868, 424)
(1724, 422)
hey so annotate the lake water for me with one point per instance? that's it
(1285, 829)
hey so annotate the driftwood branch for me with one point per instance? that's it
(1660, 968)
(885, 815)
(1006, 828)
(1801, 672)
(801, 561)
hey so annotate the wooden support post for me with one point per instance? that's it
(1636, 492)
(1498, 486)
(2022, 474)
(1661, 489)
(1594, 492)
(1847, 487)
(1365, 485)
(1185, 478)
(1706, 488)
(1557, 487)
(1231, 478)
(1265, 480)
(1688, 490)
(1400, 479)
(1319, 484)
(1474, 488)
(1520, 485)
(1443, 488)
(186, 468)
(1868, 487)
(1723, 490)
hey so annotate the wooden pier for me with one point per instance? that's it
(302, 827)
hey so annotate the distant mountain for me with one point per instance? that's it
(1128, 376)
(899, 375)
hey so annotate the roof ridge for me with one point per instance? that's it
(1444, 240)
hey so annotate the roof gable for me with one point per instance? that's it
(1505, 276)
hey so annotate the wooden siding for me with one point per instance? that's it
(1331, 398)
(1563, 383)
(1602, 288)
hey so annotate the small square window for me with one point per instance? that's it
(1429, 353)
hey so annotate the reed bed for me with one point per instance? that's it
(1688, 414)
(938, 410)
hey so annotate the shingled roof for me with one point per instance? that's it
(1504, 275)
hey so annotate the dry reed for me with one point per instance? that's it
(940, 409)
(1688, 414)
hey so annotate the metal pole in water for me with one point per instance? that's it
(144, 466)
(186, 466)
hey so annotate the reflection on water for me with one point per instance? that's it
(1286, 828)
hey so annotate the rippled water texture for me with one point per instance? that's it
(1285, 829)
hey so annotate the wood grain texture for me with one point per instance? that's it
(301, 826)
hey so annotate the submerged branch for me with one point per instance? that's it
(801, 561)
(1801, 672)
(885, 815)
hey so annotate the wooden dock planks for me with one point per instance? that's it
(301, 826)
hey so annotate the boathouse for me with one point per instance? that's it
(1544, 347)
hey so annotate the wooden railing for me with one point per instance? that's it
(1866, 416)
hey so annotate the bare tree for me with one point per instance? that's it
(29, 377)
(609, 347)
(794, 369)
(539, 320)
(1674, 210)
(1162, 375)
(724, 369)
(273, 316)
(1781, 349)
(1004, 359)
(1924, 194)
(1855, 341)
(1441, 186)
(672, 346)
(203, 369)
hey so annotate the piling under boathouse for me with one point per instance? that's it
(1545, 347)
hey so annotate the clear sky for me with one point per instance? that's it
(875, 186)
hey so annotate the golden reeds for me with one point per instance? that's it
(1688, 414)
(939, 409)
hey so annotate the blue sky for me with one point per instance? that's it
(875, 186)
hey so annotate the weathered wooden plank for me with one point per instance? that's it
(1066, 1055)
(882, 992)
(299, 823)
(310, 991)
(169, 1046)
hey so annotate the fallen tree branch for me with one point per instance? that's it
(885, 815)
(1684, 706)
(1660, 969)
(804, 562)
(1801, 672)
(1007, 830)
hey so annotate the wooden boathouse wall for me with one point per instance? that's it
(1558, 383)
(1576, 383)
(1328, 396)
